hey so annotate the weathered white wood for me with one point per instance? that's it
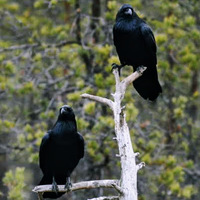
(102, 100)
(81, 185)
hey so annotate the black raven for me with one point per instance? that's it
(60, 151)
(136, 46)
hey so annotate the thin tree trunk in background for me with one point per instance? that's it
(78, 25)
(194, 88)
(96, 12)
(171, 124)
(67, 11)
(3, 169)
(193, 110)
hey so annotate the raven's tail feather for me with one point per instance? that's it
(147, 85)
(51, 195)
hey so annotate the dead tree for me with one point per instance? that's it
(127, 185)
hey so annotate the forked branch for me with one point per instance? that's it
(131, 78)
(121, 86)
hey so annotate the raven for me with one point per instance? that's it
(135, 45)
(60, 151)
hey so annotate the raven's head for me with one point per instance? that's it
(67, 113)
(126, 12)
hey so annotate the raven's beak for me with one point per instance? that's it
(66, 109)
(62, 111)
(128, 11)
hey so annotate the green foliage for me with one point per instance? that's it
(6, 126)
(14, 180)
(90, 108)
(110, 14)
(82, 124)
(131, 112)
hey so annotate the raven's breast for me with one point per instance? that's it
(131, 47)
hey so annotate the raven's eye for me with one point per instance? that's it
(68, 109)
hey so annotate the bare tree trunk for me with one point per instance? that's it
(127, 156)
(96, 12)
(67, 11)
(78, 25)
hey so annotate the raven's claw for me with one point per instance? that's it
(116, 66)
(54, 186)
(68, 184)
(140, 69)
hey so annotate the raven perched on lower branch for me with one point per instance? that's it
(136, 46)
(60, 151)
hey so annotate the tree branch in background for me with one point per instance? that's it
(27, 46)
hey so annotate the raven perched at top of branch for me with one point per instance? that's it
(60, 151)
(136, 46)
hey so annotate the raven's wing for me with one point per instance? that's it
(148, 37)
(44, 150)
(118, 40)
(149, 41)
(81, 145)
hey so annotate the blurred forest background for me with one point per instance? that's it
(52, 51)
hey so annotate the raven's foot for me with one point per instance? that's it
(116, 66)
(68, 184)
(54, 186)
(141, 69)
